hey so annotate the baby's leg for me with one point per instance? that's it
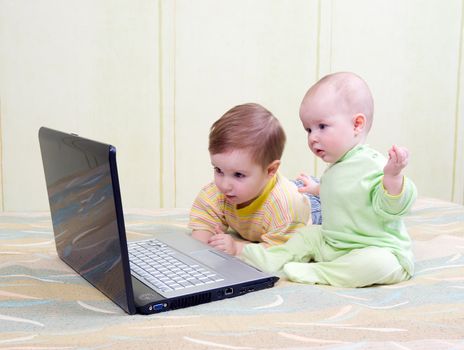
(298, 248)
(358, 268)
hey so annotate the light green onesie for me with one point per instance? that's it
(362, 239)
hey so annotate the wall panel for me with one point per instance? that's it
(408, 51)
(88, 67)
(233, 52)
(150, 77)
(458, 166)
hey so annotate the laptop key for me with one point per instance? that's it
(156, 263)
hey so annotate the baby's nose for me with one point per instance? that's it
(312, 138)
(226, 186)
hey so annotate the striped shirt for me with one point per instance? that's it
(271, 218)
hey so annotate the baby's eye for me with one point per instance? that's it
(308, 130)
(239, 175)
(322, 126)
(217, 170)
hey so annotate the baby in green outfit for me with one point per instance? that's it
(362, 240)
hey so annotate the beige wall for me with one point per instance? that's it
(151, 76)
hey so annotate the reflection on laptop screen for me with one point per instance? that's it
(82, 205)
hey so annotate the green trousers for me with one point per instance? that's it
(307, 258)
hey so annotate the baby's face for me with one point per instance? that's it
(238, 176)
(330, 127)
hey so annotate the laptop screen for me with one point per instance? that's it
(89, 236)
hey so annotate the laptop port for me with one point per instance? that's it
(229, 291)
(158, 307)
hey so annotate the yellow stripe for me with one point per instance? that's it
(258, 202)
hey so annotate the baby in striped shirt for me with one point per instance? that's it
(248, 194)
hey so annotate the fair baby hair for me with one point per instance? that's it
(350, 91)
(249, 127)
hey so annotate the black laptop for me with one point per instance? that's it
(169, 271)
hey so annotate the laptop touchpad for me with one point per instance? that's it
(208, 257)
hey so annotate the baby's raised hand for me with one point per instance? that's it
(398, 158)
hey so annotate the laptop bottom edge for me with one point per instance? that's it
(147, 301)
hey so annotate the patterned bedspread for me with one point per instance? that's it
(45, 305)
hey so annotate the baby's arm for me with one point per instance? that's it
(393, 177)
(310, 186)
(201, 235)
(207, 213)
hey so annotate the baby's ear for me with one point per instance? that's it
(273, 167)
(359, 122)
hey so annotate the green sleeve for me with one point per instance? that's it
(391, 206)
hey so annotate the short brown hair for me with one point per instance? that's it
(249, 127)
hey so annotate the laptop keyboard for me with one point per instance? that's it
(155, 262)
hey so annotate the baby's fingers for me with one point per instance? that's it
(218, 229)
(392, 155)
(402, 155)
(303, 189)
(216, 240)
(303, 178)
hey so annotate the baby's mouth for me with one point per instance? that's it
(319, 152)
